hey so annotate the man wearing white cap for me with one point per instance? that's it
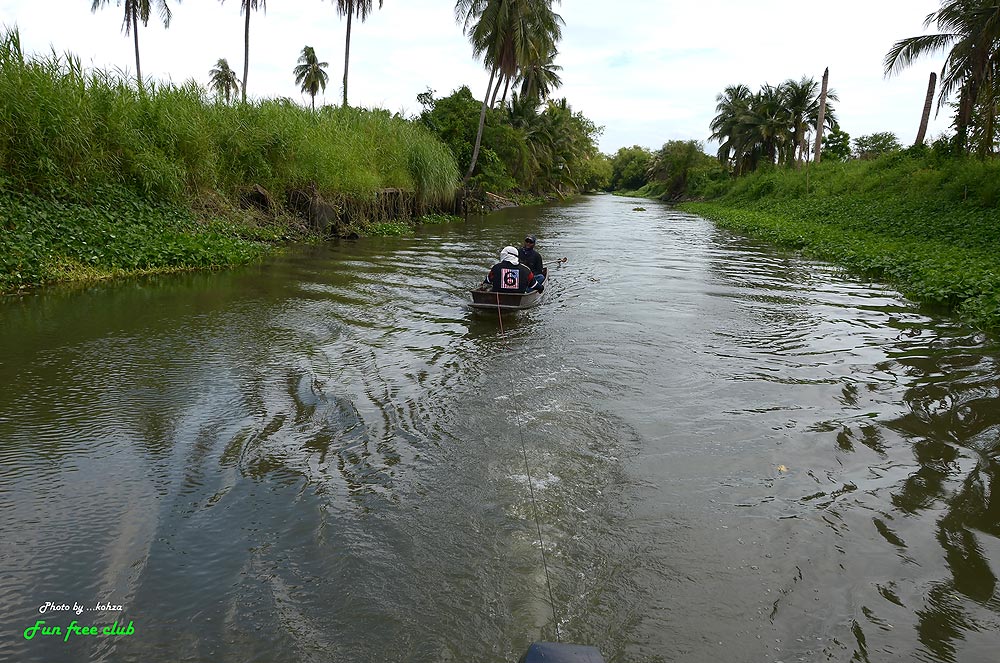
(509, 275)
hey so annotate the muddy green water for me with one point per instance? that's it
(739, 455)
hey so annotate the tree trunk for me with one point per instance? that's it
(482, 122)
(496, 91)
(822, 115)
(135, 34)
(314, 103)
(506, 86)
(925, 118)
(347, 54)
(246, 54)
(966, 104)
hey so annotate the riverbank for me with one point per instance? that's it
(99, 178)
(927, 226)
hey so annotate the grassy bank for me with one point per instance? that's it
(927, 225)
(98, 177)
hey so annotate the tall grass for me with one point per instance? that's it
(99, 178)
(72, 134)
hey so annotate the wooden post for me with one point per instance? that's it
(822, 115)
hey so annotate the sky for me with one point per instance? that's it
(647, 71)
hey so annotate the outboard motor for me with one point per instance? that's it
(557, 652)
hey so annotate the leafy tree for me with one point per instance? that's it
(630, 168)
(310, 74)
(595, 173)
(681, 168)
(836, 145)
(970, 34)
(222, 79)
(350, 8)
(547, 150)
(135, 11)
(455, 119)
(875, 145)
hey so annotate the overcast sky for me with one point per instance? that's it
(647, 70)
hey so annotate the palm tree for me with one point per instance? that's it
(135, 11)
(502, 32)
(245, 8)
(801, 99)
(348, 8)
(538, 77)
(731, 105)
(310, 75)
(222, 79)
(970, 33)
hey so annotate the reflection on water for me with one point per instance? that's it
(738, 455)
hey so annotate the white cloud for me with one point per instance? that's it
(647, 70)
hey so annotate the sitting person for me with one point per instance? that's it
(532, 259)
(509, 275)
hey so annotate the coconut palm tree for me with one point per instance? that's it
(310, 74)
(538, 76)
(801, 99)
(222, 79)
(502, 33)
(135, 11)
(970, 34)
(246, 6)
(731, 105)
(350, 8)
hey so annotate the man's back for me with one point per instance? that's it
(507, 277)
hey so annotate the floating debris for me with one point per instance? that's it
(638, 209)
(782, 468)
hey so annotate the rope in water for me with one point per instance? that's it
(531, 487)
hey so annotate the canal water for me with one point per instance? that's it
(737, 454)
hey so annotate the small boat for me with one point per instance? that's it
(485, 299)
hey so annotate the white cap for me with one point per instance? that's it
(509, 254)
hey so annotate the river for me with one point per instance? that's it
(737, 455)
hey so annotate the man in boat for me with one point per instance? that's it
(510, 275)
(532, 259)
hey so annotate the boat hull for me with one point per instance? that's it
(505, 301)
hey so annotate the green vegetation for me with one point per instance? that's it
(222, 80)
(923, 222)
(527, 148)
(970, 32)
(770, 126)
(924, 219)
(679, 170)
(80, 146)
(310, 74)
(44, 240)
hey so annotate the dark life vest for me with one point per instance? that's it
(531, 258)
(505, 277)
